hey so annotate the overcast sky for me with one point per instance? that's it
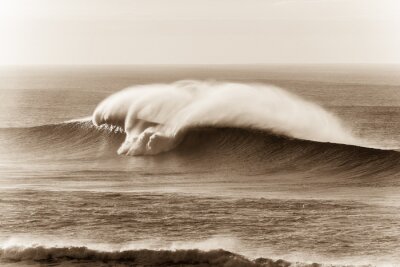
(199, 31)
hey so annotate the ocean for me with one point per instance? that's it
(200, 166)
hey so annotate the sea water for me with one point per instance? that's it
(68, 198)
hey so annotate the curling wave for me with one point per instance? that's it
(155, 117)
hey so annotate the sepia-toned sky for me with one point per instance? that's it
(199, 31)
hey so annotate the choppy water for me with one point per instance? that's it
(67, 198)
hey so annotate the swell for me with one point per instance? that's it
(249, 150)
(66, 140)
(143, 257)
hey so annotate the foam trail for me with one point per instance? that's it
(155, 116)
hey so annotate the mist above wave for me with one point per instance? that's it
(156, 116)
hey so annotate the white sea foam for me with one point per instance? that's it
(215, 251)
(155, 116)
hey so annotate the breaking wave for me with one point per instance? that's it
(83, 256)
(155, 117)
(225, 126)
(221, 123)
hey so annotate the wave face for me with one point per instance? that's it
(206, 148)
(156, 116)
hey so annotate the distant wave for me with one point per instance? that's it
(155, 117)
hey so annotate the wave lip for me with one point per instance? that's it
(156, 116)
(142, 257)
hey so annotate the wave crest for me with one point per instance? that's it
(156, 116)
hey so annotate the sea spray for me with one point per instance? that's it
(155, 116)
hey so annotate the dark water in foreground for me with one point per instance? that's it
(67, 198)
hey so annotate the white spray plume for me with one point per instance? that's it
(155, 116)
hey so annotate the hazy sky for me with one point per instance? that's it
(199, 31)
